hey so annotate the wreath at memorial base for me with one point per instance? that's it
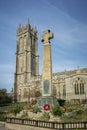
(46, 107)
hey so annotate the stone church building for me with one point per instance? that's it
(68, 85)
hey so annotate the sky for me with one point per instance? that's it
(67, 19)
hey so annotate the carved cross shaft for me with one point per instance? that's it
(47, 36)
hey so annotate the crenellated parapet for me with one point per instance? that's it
(27, 28)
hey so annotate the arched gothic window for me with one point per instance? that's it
(76, 88)
(79, 86)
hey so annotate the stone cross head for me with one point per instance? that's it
(47, 36)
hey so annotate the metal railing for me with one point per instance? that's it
(51, 125)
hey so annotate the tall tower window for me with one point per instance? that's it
(20, 63)
(33, 64)
(64, 90)
(25, 93)
(25, 40)
(21, 44)
(31, 40)
(33, 45)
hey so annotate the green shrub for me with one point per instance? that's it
(80, 111)
(56, 111)
(33, 102)
(35, 109)
(2, 117)
(45, 117)
(17, 109)
(37, 93)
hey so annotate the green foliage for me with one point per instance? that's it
(33, 101)
(80, 111)
(37, 93)
(2, 117)
(17, 109)
(35, 109)
(3, 92)
(57, 111)
(45, 116)
(4, 97)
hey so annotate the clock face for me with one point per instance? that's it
(46, 86)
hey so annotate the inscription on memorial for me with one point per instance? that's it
(46, 86)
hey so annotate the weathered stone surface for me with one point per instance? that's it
(30, 115)
(26, 61)
(47, 64)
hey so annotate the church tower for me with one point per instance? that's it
(26, 57)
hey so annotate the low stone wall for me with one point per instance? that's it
(22, 127)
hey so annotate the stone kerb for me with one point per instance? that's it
(22, 127)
